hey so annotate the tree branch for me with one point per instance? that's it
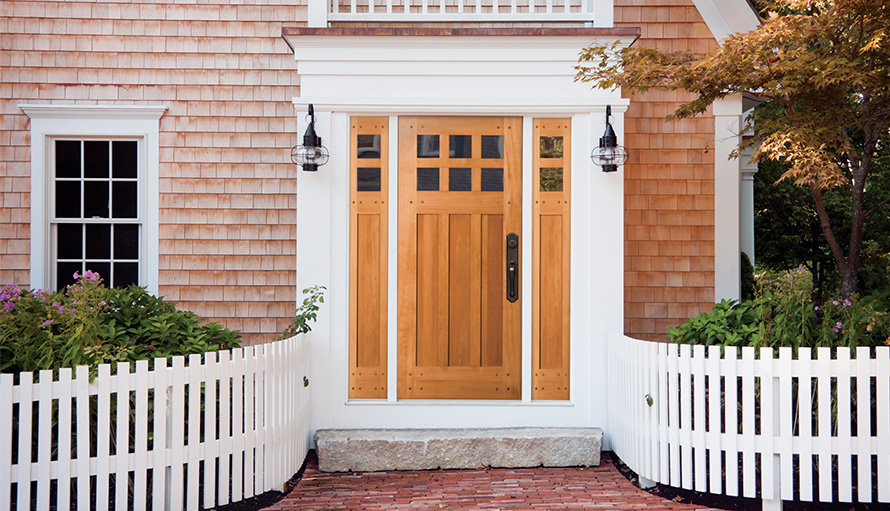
(827, 231)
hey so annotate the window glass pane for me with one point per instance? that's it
(65, 273)
(492, 146)
(492, 180)
(123, 158)
(368, 179)
(459, 180)
(460, 146)
(68, 199)
(95, 202)
(123, 199)
(98, 241)
(95, 159)
(126, 274)
(126, 241)
(551, 147)
(67, 158)
(427, 146)
(427, 179)
(69, 241)
(368, 146)
(551, 179)
(102, 268)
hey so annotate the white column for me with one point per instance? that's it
(318, 13)
(727, 197)
(746, 230)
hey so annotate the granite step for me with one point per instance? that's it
(372, 450)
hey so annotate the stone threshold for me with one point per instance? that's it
(374, 450)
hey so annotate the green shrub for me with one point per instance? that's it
(306, 312)
(783, 314)
(747, 277)
(89, 324)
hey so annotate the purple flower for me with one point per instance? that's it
(835, 302)
(837, 326)
(76, 275)
(46, 324)
(815, 308)
(847, 303)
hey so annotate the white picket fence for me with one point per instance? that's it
(461, 10)
(196, 434)
(811, 428)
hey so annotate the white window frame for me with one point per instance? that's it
(50, 122)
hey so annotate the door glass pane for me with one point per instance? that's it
(492, 180)
(95, 202)
(368, 146)
(492, 146)
(427, 146)
(67, 158)
(551, 147)
(68, 199)
(551, 179)
(460, 180)
(69, 241)
(95, 159)
(123, 159)
(368, 179)
(98, 241)
(460, 146)
(427, 179)
(123, 199)
(126, 241)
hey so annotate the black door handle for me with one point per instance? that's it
(512, 267)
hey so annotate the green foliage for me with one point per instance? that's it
(783, 314)
(89, 324)
(747, 277)
(306, 312)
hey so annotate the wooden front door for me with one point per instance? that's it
(459, 310)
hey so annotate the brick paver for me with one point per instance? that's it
(600, 487)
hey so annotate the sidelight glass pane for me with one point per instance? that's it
(551, 179)
(368, 146)
(427, 179)
(368, 179)
(460, 146)
(123, 159)
(551, 147)
(460, 180)
(492, 180)
(492, 146)
(95, 158)
(427, 146)
(67, 158)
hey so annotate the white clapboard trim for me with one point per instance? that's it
(806, 405)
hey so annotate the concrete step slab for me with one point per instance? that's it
(372, 450)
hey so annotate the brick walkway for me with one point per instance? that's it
(600, 487)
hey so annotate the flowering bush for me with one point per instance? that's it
(783, 314)
(89, 324)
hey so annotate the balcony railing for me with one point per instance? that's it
(593, 12)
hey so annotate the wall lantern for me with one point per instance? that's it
(609, 155)
(311, 154)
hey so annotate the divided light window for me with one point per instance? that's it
(95, 224)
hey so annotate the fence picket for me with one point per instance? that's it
(823, 381)
(251, 425)
(44, 436)
(23, 478)
(805, 423)
(6, 387)
(731, 409)
(715, 413)
(699, 422)
(863, 423)
(225, 436)
(785, 416)
(159, 467)
(747, 439)
(211, 376)
(844, 440)
(103, 433)
(239, 422)
(176, 439)
(63, 498)
(767, 426)
(882, 361)
(686, 479)
(674, 404)
(140, 451)
(661, 403)
(82, 394)
(260, 463)
(195, 378)
(122, 435)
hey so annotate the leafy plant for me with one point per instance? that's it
(306, 312)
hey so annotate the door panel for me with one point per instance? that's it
(459, 197)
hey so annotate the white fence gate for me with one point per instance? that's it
(196, 434)
(811, 428)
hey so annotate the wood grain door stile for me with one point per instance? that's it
(458, 335)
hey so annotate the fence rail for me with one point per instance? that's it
(202, 432)
(461, 10)
(811, 428)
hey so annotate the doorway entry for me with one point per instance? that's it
(459, 258)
